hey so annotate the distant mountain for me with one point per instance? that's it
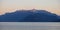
(29, 16)
(59, 18)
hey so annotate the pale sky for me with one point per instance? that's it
(12, 5)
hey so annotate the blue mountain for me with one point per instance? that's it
(59, 18)
(29, 16)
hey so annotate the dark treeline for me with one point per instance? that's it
(30, 16)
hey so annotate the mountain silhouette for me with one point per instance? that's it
(29, 16)
(59, 18)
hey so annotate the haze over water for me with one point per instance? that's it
(29, 26)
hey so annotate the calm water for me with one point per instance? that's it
(29, 26)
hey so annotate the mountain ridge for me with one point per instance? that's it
(29, 16)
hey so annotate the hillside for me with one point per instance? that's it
(29, 16)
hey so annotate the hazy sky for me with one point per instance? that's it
(12, 5)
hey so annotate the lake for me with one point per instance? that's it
(29, 25)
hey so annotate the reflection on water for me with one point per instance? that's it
(29, 26)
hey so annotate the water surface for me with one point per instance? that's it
(29, 26)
